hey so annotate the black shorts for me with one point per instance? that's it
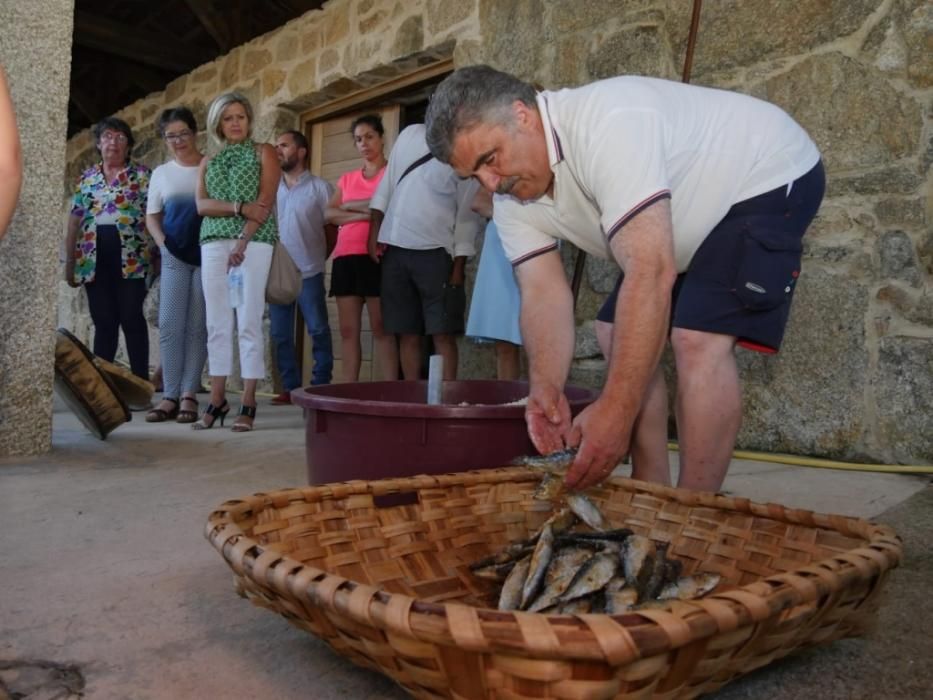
(354, 276)
(416, 296)
(742, 278)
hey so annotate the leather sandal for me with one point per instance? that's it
(186, 416)
(213, 412)
(160, 415)
(240, 426)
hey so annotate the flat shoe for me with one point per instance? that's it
(187, 416)
(160, 415)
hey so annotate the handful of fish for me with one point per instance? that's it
(562, 570)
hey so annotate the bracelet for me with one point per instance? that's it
(236, 208)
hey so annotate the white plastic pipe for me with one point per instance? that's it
(435, 380)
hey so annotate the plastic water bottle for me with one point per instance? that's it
(235, 286)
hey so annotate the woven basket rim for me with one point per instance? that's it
(642, 633)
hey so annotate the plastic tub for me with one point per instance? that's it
(376, 430)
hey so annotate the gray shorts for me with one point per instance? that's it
(416, 296)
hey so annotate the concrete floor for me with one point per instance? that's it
(108, 587)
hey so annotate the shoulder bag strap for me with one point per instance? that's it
(421, 161)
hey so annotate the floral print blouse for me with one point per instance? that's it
(121, 202)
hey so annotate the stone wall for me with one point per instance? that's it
(37, 58)
(855, 378)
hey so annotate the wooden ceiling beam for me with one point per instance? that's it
(214, 23)
(125, 41)
(83, 103)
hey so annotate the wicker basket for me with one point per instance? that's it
(388, 586)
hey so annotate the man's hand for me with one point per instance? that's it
(372, 247)
(547, 416)
(604, 436)
(457, 275)
(375, 224)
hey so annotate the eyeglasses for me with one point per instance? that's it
(180, 136)
(113, 136)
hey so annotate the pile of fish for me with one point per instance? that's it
(564, 569)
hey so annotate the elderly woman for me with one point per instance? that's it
(172, 219)
(235, 195)
(107, 247)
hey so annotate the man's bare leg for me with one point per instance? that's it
(649, 434)
(709, 406)
(650, 460)
(445, 345)
(409, 347)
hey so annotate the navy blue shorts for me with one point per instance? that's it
(742, 278)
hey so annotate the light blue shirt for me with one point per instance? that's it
(300, 211)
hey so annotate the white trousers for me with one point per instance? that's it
(220, 315)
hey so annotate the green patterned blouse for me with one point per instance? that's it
(233, 176)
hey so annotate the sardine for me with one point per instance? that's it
(556, 462)
(656, 578)
(511, 553)
(673, 570)
(561, 521)
(494, 572)
(577, 606)
(540, 559)
(638, 561)
(618, 535)
(621, 601)
(586, 510)
(510, 597)
(549, 487)
(689, 587)
(592, 576)
(560, 574)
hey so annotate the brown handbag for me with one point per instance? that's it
(284, 284)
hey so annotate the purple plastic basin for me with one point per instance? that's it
(377, 430)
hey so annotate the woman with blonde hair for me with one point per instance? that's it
(236, 197)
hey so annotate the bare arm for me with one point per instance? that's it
(71, 237)
(269, 176)
(357, 205)
(11, 164)
(375, 224)
(206, 205)
(645, 250)
(337, 213)
(548, 334)
(221, 207)
(154, 226)
(330, 239)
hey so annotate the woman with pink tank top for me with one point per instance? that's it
(354, 276)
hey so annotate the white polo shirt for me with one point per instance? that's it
(431, 207)
(618, 145)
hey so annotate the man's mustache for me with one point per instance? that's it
(506, 186)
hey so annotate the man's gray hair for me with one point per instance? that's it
(470, 96)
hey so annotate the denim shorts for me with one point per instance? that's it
(742, 278)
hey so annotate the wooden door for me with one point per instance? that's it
(332, 154)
